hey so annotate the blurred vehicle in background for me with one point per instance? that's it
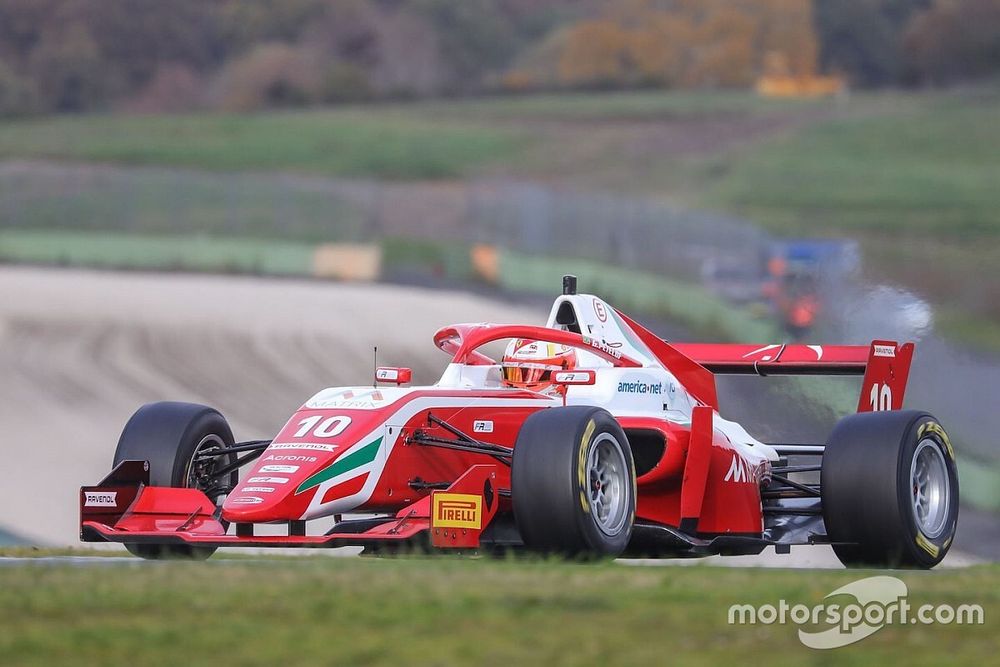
(799, 272)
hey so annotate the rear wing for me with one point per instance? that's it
(885, 365)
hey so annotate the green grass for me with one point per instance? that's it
(167, 201)
(969, 330)
(307, 611)
(160, 252)
(610, 106)
(921, 166)
(344, 143)
(419, 140)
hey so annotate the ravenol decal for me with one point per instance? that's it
(885, 351)
(100, 499)
(353, 459)
(640, 388)
(308, 446)
(456, 510)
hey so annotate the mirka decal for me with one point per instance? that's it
(100, 499)
(740, 472)
(456, 510)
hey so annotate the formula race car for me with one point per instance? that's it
(591, 437)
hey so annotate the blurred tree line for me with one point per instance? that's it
(173, 55)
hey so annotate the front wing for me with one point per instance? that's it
(124, 508)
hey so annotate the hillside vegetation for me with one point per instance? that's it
(238, 55)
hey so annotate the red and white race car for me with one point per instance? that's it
(591, 437)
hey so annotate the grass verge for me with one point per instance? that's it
(159, 252)
(446, 611)
(921, 165)
(349, 142)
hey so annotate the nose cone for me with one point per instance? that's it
(275, 489)
(263, 496)
(335, 437)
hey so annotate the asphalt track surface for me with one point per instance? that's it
(81, 350)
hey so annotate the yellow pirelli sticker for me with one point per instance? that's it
(927, 546)
(456, 510)
(934, 427)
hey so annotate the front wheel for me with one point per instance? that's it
(573, 483)
(890, 490)
(185, 445)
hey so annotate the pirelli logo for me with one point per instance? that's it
(456, 510)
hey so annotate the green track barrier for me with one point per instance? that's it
(190, 253)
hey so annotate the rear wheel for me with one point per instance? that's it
(573, 483)
(185, 445)
(890, 490)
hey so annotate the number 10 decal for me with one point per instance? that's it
(329, 428)
(880, 397)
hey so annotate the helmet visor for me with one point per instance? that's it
(522, 375)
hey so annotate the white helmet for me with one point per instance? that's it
(528, 364)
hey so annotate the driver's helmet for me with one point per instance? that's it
(528, 364)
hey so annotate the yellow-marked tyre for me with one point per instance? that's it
(573, 483)
(890, 490)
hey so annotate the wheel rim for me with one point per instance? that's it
(202, 469)
(609, 479)
(930, 488)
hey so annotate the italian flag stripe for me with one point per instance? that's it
(355, 459)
